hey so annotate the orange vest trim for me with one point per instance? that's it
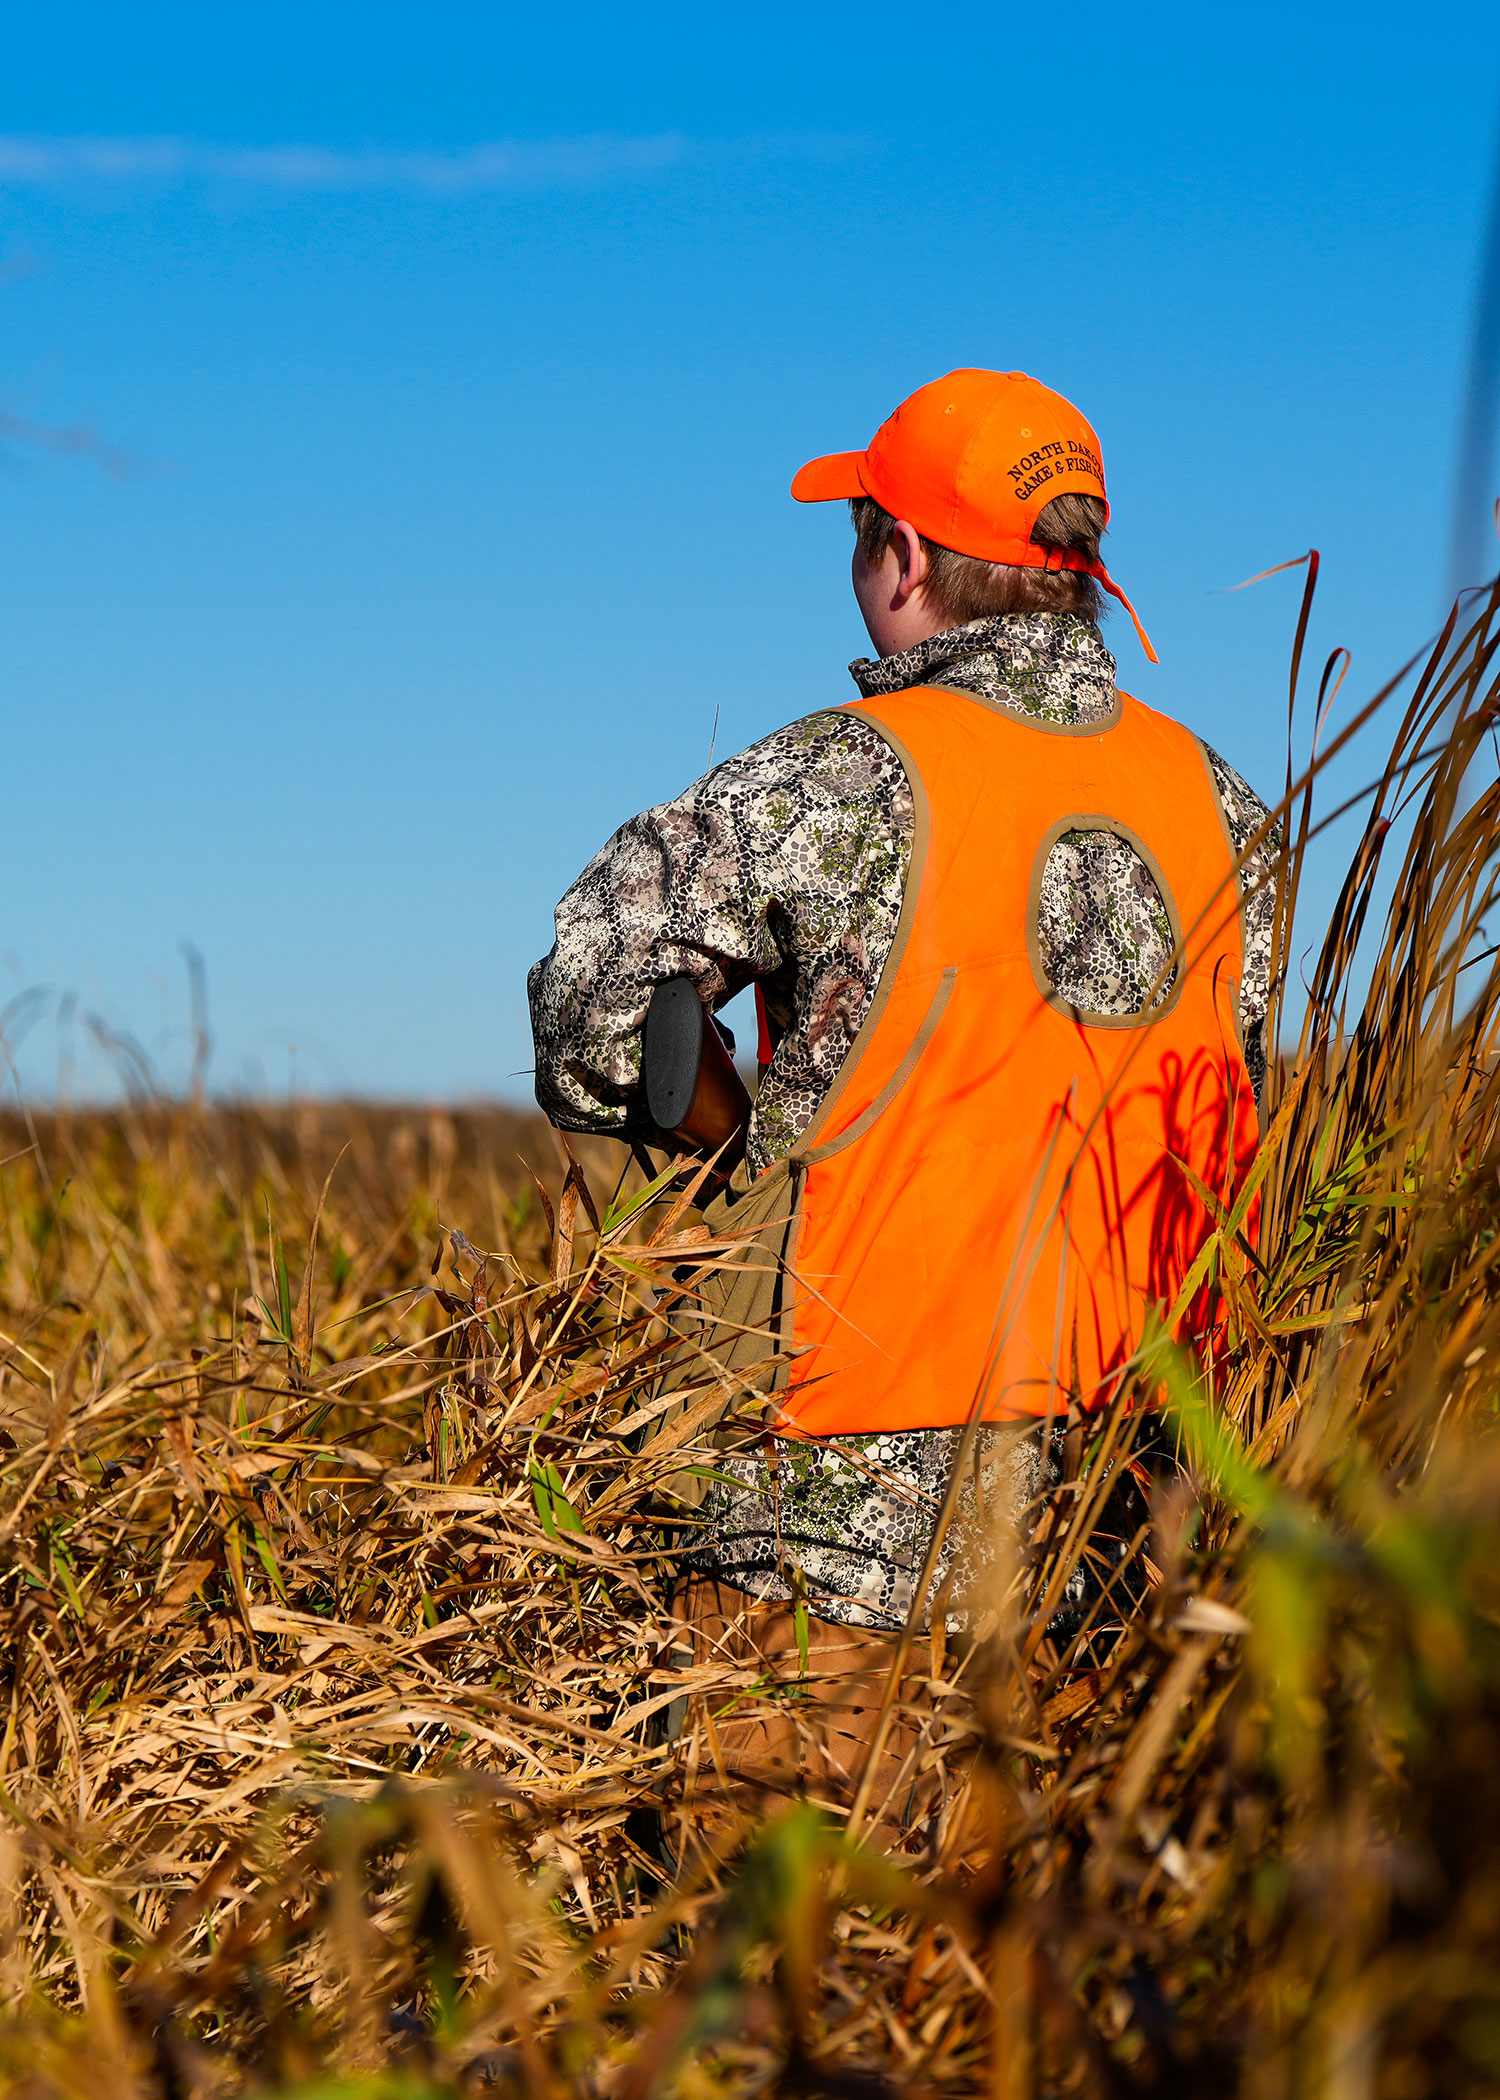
(994, 1193)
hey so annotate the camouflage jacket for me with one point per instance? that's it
(787, 865)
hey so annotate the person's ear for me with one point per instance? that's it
(911, 561)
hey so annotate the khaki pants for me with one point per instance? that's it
(814, 1741)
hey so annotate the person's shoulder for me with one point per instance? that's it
(1244, 812)
(1235, 792)
(1230, 782)
(835, 746)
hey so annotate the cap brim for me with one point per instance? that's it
(830, 479)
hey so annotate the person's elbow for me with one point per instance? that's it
(583, 1083)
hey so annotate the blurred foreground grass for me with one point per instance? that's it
(337, 1513)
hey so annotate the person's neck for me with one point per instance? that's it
(915, 624)
(898, 628)
(918, 642)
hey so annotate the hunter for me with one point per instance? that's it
(1012, 961)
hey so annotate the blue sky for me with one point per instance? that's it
(397, 407)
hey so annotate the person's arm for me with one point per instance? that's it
(760, 870)
(670, 895)
(1244, 814)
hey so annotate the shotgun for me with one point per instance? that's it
(693, 1092)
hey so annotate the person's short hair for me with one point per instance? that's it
(969, 589)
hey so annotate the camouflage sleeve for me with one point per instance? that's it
(790, 858)
(1245, 813)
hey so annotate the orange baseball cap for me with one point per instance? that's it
(971, 460)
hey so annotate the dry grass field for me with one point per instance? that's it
(337, 1525)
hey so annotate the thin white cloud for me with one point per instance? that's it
(79, 441)
(505, 164)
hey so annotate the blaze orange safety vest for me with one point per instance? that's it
(999, 1185)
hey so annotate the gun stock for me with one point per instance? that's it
(693, 1092)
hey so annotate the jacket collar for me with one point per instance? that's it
(1050, 664)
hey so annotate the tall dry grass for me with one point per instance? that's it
(339, 1519)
